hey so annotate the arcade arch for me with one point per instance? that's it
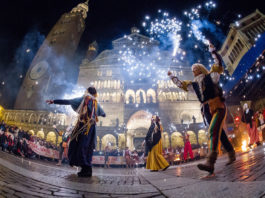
(31, 132)
(177, 140)
(51, 137)
(192, 138)
(40, 134)
(108, 140)
(129, 95)
(202, 138)
(140, 96)
(151, 96)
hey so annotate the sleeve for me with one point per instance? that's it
(62, 102)
(100, 111)
(65, 102)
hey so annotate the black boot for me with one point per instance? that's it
(86, 171)
(209, 165)
(232, 157)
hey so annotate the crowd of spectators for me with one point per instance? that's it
(16, 141)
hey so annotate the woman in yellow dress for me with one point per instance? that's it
(155, 159)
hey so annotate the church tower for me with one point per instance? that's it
(51, 71)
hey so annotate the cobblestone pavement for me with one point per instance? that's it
(34, 178)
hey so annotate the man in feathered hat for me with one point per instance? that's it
(83, 137)
(210, 94)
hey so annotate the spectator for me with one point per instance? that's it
(10, 140)
(4, 141)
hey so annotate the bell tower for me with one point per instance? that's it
(51, 71)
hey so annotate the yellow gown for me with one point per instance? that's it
(155, 159)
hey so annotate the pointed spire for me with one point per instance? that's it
(82, 7)
(86, 2)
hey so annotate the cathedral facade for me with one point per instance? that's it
(130, 102)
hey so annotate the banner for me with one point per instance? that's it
(116, 160)
(112, 160)
(98, 159)
(43, 151)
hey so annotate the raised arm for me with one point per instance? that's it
(217, 68)
(60, 102)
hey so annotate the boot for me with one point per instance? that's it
(86, 171)
(231, 157)
(59, 163)
(209, 165)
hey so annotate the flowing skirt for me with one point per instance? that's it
(80, 150)
(253, 133)
(155, 159)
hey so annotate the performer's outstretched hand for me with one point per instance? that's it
(169, 73)
(49, 101)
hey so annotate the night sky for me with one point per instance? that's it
(25, 23)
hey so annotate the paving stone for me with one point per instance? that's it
(94, 195)
(66, 194)
(23, 195)
(145, 195)
(244, 178)
(7, 190)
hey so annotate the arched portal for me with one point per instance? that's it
(137, 127)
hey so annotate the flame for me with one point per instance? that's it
(244, 146)
(177, 158)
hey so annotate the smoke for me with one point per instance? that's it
(60, 78)
(210, 29)
(12, 75)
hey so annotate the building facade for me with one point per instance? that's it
(241, 38)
